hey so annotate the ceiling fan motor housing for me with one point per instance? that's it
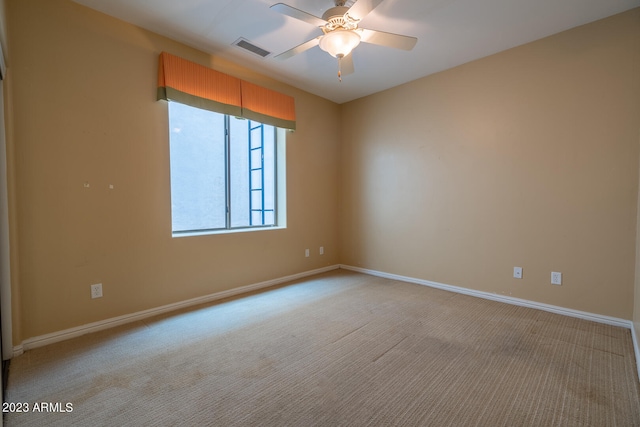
(335, 12)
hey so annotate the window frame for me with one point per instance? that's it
(279, 178)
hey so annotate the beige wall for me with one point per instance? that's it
(84, 110)
(525, 158)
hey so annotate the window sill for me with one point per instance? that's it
(229, 231)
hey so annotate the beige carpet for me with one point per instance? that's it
(338, 349)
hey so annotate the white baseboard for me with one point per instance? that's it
(636, 346)
(66, 334)
(17, 350)
(501, 298)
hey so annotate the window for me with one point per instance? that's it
(224, 173)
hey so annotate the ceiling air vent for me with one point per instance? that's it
(245, 44)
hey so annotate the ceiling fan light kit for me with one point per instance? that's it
(339, 43)
(341, 33)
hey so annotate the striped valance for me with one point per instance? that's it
(193, 84)
(266, 106)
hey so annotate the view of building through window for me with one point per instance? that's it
(223, 171)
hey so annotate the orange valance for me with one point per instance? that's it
(262, 105)
(196, 85)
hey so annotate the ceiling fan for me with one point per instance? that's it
(341, 33)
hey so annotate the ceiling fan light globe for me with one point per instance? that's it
(339, 43)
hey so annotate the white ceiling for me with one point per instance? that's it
(449, 32)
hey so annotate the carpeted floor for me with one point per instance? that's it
(338, 349)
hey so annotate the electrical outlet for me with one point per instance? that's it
(321, 250)
(517, 272)
(556, 278)
(96, 290)
(306, 253)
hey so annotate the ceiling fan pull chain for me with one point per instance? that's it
(340, 67)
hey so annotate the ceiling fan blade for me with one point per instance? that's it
(299, 49)
(388, 39)
(298, 14)
(346, 65)
(362, 8)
